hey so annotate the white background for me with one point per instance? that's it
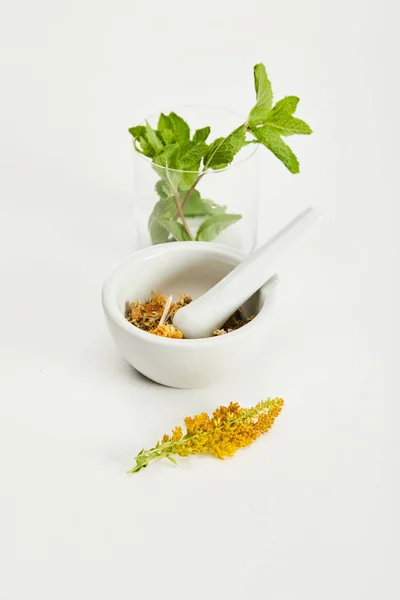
(309, 511)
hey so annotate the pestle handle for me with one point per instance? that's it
(199, 318)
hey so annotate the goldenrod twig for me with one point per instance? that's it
(230, 428)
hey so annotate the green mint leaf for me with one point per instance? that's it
(200, 207)
(167, 136)
(180, 128)
(188, 179)
(138, 131)
(217, 209)
(163, 189)
(211, 151)
(169, 156)
(290, 126)
(164, 122)
(158, 233)
(153, 139)
(164, 165)
(201, 135)
(176, 229)
(264, 96)
(191, 155)
(212, 148)
(223, 150)
(139, 134)
(213, 226)
(277, 146)
(163, 209)
(196, 207)
(286, 106)
(147, 149)
(280, 118)
(262, 85)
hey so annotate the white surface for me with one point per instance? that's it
(308, 512)
(194, 267)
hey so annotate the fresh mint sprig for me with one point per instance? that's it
(181, 161)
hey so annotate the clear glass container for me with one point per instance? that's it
(217, 205)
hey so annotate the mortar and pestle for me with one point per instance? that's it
(220, 280)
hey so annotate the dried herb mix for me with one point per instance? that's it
(155, 316)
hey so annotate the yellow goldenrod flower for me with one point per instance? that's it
(223, 434)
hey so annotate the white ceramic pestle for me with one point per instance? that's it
(199, 318)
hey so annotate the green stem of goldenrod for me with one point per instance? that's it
(153, 454)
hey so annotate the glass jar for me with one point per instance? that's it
(215, 205)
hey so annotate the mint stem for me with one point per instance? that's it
(181, 215)
(188, 194)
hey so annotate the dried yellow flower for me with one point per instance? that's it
(223, 434)
(167, 331)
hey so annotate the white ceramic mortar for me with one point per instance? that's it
(192, 268)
